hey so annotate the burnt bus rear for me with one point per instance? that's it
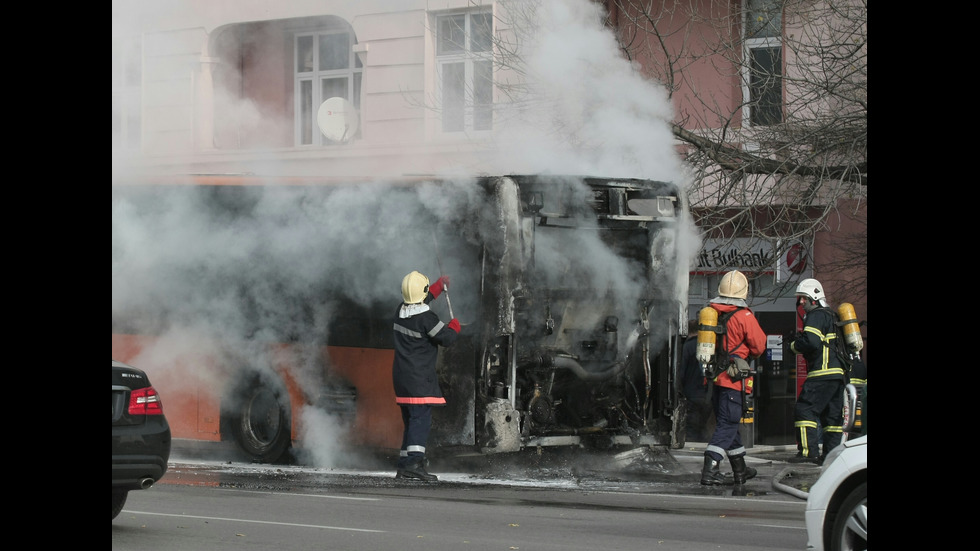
(577, 336)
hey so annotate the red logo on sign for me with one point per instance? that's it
(796, 259)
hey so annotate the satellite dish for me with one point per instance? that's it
(337, 119)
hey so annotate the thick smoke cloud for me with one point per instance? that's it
(589, 110)
(231, 274)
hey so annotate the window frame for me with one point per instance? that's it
(473, 110)
(753, 111)
(127, 94)
(308, 86)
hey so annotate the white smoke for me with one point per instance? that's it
(589, 111)
(325, 440)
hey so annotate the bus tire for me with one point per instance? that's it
(259, 419)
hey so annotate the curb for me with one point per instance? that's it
(754, 450)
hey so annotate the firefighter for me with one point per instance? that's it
(743, 339)
(418, 335)
(821, 399)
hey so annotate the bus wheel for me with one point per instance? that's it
(259, 420)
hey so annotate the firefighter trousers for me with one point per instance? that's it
(820, 406)
(726, 440)
(417, 419)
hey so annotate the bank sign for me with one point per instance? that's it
(755, 256)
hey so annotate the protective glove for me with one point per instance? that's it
(454, 325)
(738, 369)
(437, 287)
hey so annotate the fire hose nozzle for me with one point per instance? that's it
(449, 303)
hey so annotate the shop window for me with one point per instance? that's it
(695, 288)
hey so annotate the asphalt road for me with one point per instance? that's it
(635, 500)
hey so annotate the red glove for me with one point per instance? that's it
(437, 287)
(454, 325)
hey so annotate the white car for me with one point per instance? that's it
(837, 505)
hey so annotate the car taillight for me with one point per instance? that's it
(145, 401)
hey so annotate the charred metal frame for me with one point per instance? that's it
(553, 366)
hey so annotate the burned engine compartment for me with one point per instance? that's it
(579, 376)
(583, 348)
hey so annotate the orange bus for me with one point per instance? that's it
(262, 306)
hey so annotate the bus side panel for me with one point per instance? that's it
(186, 388)
(379, 421)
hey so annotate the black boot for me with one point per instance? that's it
(800, 458)
(740, 471)
(711, 474)
(417, 471)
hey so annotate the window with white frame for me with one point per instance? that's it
(763, 68)
(326, 67)
(464, 48)
(126, 91)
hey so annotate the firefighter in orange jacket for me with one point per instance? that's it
(743, 339)
(418, 335)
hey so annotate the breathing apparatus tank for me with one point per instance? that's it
(707, 320)
(849, 324)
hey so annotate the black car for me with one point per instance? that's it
(140, 434)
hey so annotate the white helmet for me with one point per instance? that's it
(414, 287)
(734, 285)
(813, 290)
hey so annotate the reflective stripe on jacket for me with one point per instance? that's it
(818, 344)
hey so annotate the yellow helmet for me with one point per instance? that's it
(414, 288)
(734, 285)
